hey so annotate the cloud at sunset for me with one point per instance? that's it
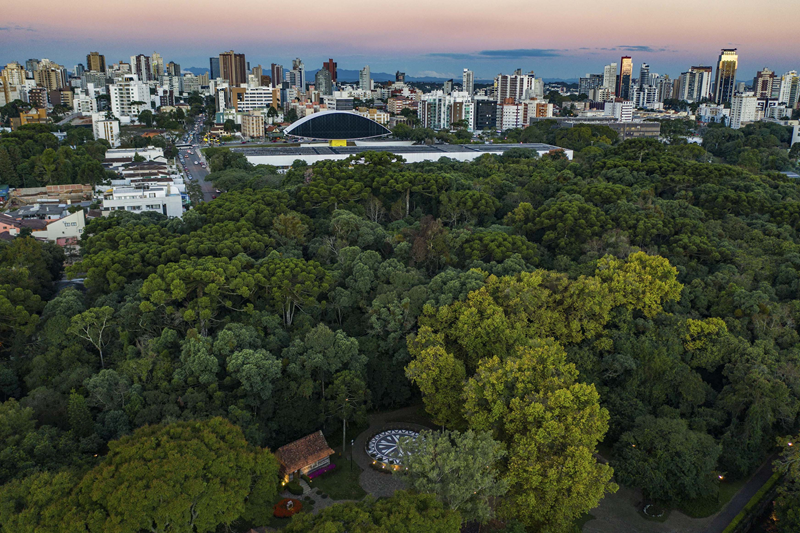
(555, 40)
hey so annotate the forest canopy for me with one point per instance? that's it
(640, 297)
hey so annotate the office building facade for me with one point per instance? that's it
(624, 78)
(330, 66)
(233, 67)
(95, 62)
(725, 80)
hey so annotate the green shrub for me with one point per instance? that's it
(294, 488)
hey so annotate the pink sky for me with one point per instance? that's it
(677, 32)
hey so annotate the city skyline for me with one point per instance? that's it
(485, 41)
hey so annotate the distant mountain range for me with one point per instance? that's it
(350, 76)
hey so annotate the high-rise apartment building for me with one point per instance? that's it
(485, 113)
(140, 65)
(725, 80)
(763, 83)
(743, 110)
(13, 74)
(644, 75)
(789, 89)
(233, 67)
(330, 66)
(364, 79)
(448, 86)
(213, 68)
(95, 62)
(468, 81)
(299, 73)
(517, 86)
(695, 84)
(124, 93)
(277, 74)
(399, 77)
(624, 78)
(440, 111)
(32, 65)
(323, 82)
(610, 77)
(590, 83)
(50, 75)
(257, 72)
(173, 69)
(38, 97)
(157, 64)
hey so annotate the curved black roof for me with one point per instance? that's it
(329, 125)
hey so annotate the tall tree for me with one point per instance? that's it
(190, 477)
(460, 468)
(667, 460)
(94, 325)
(348, 400)
(551, 424)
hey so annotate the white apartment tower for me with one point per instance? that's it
(518, 87)
(107, 129)
(743, 109)
(468, 81)
(364, 80)
(789, 91)
(123, 95)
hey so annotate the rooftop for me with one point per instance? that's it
(303, 452)
(444, 150)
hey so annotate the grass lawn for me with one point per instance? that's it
(703, 507)
(342, 483)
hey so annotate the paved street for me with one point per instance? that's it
(198, 173)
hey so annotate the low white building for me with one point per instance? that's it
(149, 153)
(257, 98)
(83, 103)
(713, 113)
(165, 200)
(104, 128)
(67, 228)
(622, 111)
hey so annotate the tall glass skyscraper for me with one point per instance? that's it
(725, 81)
(624, 80)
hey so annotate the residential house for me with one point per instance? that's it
(303, 456)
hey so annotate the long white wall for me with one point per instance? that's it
(414, 157)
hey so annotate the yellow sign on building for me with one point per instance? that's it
(337, 142)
